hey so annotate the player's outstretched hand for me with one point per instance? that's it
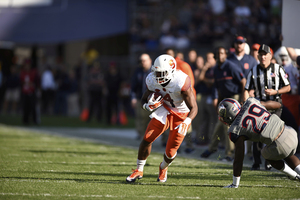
(231, 186)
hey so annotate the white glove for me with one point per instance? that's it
(235, 183)
(231, 186)
(153, 104)
(183, 127)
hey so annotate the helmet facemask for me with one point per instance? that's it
(222, 114)
(228, 109)
(163, 77)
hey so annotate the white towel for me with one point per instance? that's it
(160, 114)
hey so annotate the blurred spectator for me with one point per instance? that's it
(63, 86)
(192, 56)
(254, 51)
(138, 87)
(293, 55)
(113, 82)
(282, 52)
(73, 97)
(217, 6)
(209, 22)
(48, 88)
(229, 83)
(242, 12)
(125, 96)
(96, 84)
(182, 42)
(169, 25)
(240, 58)
(12, 92)
(30, 85)
(167, 41)
(210, 59)
(247, 48)
(292, 101)
(180, 55)
(205, 35)
(185, 15)
(206, 118)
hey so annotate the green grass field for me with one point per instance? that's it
(40, 166)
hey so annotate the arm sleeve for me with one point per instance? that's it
(187, 84)
(283, 76)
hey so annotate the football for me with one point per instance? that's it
(156, 95)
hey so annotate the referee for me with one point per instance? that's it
(269, 81)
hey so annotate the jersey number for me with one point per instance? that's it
(168, 98)
(254, 114)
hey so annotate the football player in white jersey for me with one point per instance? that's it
(253, 122)
(175, 110)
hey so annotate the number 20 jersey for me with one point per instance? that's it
(172, 91)
(256, 123)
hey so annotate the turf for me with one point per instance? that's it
(40, 166)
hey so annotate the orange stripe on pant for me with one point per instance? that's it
(156, 128)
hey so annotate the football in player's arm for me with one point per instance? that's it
(253, 122)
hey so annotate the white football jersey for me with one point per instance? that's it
(172, 92)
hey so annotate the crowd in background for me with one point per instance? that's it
(185, 25)
(195, 24)
(57, 90)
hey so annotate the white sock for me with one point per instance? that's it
(164, 164)
(140, 164)
(287, 170)
(297, 169)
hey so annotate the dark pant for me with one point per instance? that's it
(48, 96)
(112, 108)
(29, 108)
(257, 146)
(95, 105)
(61, 105)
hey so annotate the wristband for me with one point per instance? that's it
(236, 180)
(145, 106)
(277, 93)
(187, 121)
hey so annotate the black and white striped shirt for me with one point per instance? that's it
(259, 79)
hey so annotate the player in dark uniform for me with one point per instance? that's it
(253, 122)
